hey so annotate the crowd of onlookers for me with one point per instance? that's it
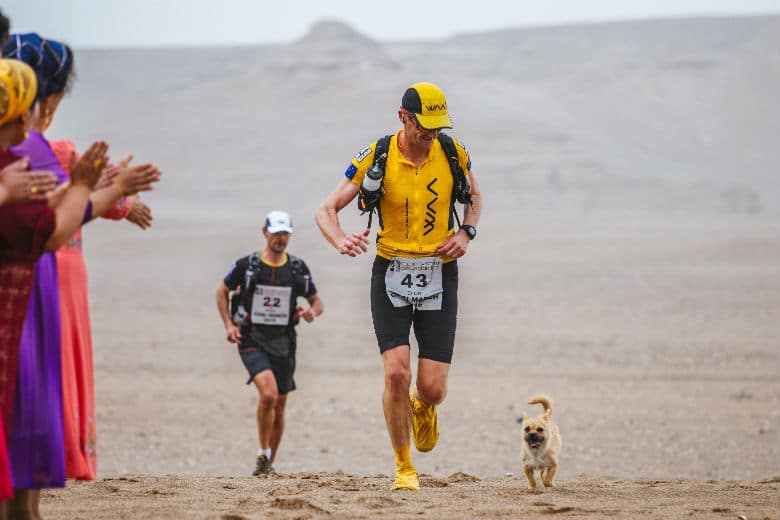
(48, 191)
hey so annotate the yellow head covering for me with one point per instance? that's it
(17, 89)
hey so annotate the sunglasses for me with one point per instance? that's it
(417, 124)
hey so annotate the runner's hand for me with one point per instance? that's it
(233, 333)
(455, 246)
(306, 314)
(354, 243)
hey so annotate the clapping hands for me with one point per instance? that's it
(133, 179)
(17, 184)
(87, 169)
(140, 214)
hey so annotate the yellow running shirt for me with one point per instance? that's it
(414, 212)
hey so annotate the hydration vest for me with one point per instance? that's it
(461, 191)
(299, 279)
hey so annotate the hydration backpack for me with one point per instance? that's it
(461, 191)
(251, 279)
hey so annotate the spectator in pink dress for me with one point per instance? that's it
(28, 227)
(37, 447)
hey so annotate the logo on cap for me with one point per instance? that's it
(427, 102)
(277, 221)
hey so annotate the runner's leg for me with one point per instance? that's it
(266, 387)
(395, 399)
(432, 380)
(278, 428)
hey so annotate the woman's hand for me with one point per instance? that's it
(107, 177)
(140, 214)
(132, 179)
(17, 184)
(86, 171)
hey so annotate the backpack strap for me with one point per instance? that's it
(461, 190)
(250, 279)
(298, 274)
(254, 259)
(370, 203)
(296, 264)
(382, 146)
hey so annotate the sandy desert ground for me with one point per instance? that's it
(627, 263)
(341, 495)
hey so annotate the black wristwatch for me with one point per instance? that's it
(471, 231)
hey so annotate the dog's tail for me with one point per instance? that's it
(543, 400)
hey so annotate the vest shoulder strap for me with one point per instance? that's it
(448, 144)
(461, 190)
(296, 264)
(382, 146)
(369, 202)
(254, 259)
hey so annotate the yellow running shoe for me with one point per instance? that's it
(425, 424)
(406, 478)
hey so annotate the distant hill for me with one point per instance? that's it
(653, 115)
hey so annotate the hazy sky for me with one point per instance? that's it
(106, 23)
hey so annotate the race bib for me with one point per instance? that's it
(271, 305)
(415, 281)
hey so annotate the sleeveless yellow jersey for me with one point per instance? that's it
(414, 212)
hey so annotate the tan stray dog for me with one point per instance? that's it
(541, 444)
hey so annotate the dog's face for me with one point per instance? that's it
(535, 431)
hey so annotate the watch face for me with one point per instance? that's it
(470, 231)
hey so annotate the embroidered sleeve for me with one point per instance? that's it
(120, 210)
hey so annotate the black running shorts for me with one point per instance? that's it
(434, 330)
(256, 361)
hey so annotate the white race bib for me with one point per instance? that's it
(415, 281)
(271, 305)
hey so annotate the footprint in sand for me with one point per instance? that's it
(296, 504)
(377, 502)
(552, 510)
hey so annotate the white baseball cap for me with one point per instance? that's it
(277, 221)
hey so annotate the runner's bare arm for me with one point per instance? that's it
(456, 245)
(327, 219)
(474, 211)
(315, 308)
